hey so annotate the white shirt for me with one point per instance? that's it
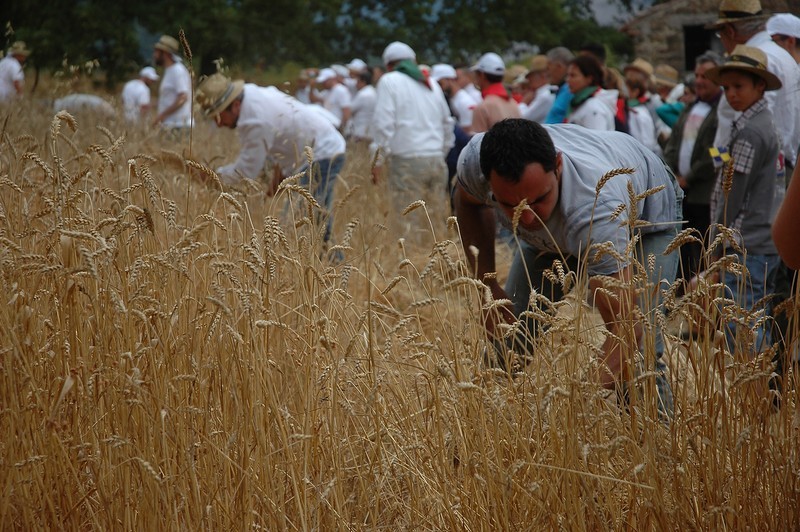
(410, 119)
(691, 127)
(363, 109)
(10, 71)
(784, 102)
(83, 103)
(337, 100)
(597, 112)
(135, 95)
(303, 94)
(176, 81)
(462, 103)
(642, 128)
(276, 127)
(537, 110)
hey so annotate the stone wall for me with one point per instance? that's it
(662, 32)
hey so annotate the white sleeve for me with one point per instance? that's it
(255, 141)
(383, 122)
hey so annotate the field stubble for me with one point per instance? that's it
(179, 357)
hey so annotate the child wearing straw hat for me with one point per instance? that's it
(749, 187)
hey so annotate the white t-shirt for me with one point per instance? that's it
(462, 103)
(360, 126)
(135, 95)
(277, 127)
(176, 81)
(337, 100)
(697, 115)
(10, 71)
(537, 110)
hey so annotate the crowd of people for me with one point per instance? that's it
(526, 147)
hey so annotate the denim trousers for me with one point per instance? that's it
(746, 290)
(320, 181)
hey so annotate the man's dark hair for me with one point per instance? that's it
(493, 78)
(589, 67)
(366, 76)
(512, 144)
(595, 49)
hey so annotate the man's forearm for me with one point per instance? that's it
(477, 225)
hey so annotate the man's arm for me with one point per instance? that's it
(179, 101)
(18, 86)
(477, 224)
(616, 305)
(784, 230)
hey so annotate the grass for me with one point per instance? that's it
(178, 357)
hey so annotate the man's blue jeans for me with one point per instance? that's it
(746, 290)
(321, 181)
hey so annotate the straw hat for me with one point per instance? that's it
(750, 60)
(641, 65)
(168, 44)
(19, 48)
(538, 63)
(216, 92)
(737, 11)
(666, 76)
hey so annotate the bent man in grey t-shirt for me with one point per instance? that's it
(554, 171)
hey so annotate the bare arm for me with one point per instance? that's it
(616, 305)
(18, 86)
(180, 100)
(477, 224)
(787, 222)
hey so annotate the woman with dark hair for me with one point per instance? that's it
(592, 106)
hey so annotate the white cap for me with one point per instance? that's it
(397, 51)
(357, 64)
(341, 70)
(490, 63)
(442, 71)
(784, 24)
(148, 72)
(325, 74)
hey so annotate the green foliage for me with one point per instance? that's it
(267, 35)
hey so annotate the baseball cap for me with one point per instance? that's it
(148, 72)
(784, 24)
(397, 51)
(357, 64)
(325, 74)
(443, 71)
(490, 63)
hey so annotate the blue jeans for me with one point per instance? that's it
(746, 290)
(320, 181)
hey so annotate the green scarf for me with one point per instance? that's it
(580, 97)
(410, 68)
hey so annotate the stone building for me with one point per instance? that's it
(674, 32)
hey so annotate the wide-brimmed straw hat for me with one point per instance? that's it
(731, 11)
(168, 44)
(641, 65)
(666, 75)
(750, 60)
(216, 92)
(19, 48)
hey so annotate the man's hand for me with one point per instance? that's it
(684, 184)
(499, 314)
(277, 177)
(376, 173)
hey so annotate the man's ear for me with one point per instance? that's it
(558, 166)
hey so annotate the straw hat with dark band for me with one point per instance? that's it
(19, 48)
(168, 44)
(216, 92)
(750, 60)
(732, 11)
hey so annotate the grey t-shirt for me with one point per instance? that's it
(578, 221)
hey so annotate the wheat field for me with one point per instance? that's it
(176, 356)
